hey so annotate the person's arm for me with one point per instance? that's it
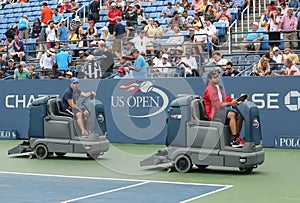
(15, 75)
(42, 61)
(86, 94)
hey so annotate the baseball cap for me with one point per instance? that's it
(134, 51)
(255, 23)
(212, 74)
(11, 60)
(104, 28)
(165, 56)
(25, 16)
(275, 49)
(69, 73)
(92, 21)
(113, 4)
(74, 80)
(121, 69)
(81, 52)
(131, 5)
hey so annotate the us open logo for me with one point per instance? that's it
(141, 94)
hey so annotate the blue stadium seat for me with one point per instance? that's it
(150, 9)
(234, 12)
(154, 15)
(26, 9)
(220, 28)
(9, 15)
(7, 11)
(191, 12)
(25, 5)
(36, 13)
(18, 15)
(145, 4)
(31, 44)
(12, 20)
(159, 9)
(8, 6)
(3, 21)
(103, 12)
(68, 15)
(16, 6)
(2, 31)
(85, 26)
(157, 3)
(100, 25)
(104, 18)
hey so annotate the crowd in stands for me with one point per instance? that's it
(137, 45)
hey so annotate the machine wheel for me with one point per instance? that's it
(246, 170)
(201, 167)
(60, 154)
(183, 163)
(41, 151)
(94, 155)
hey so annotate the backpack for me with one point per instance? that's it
(10, 33)
(22, 25)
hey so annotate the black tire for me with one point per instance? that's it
(183, 164)
(201, 167)
(246, 170)
(93, 155)
(60, 154)
(41, 151)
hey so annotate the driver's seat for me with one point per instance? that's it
(60, 110)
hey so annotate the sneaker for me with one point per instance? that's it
(240, 140)
(85, 135)
(236, 143)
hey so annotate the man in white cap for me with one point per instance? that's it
(47, 59)
(253, 38)
(24, 27)
(163, 65)
(112, 14)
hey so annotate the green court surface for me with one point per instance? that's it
(276, 181)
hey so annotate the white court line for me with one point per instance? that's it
(132, 180)
(119, 179)
(105, 192)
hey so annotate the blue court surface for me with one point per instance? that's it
(25, 188)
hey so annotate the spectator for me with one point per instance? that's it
(277, 55)
(253, 38)
(158, 30)
(24, 27)
(158, 57)
(179, 9)
(264, 19)
(65, 7)
(218, 60)
(92, 30)
(168, 11)
(140, 12)
(63, 31)
(272, 30)
(138, 70)
(295, 5)
(210, 13)
(224, 16)
(288, 53)
(186, 5)
(18, 48)
(74, 7)
(176, 39)
(3, 73)
(46, 14)
(175, 21)
(230, 72)
(200, 36)
(76, 24)
(11, 32)
(69, 75)
(11, 66)
(122, 73)
(47, 59)
(2, 62)
(129, 31)
(82, 40)
(216, 6)
(288, 24)
(32, 74)
(150, 31)
(131, 16)
(57, 17)
(291, 68)
(105, 35)
(21, 73)
(143, 25)
(189, 63)
(41, 42)
(202, 6)
(262, 68)
(140, 42)
(187, 20)
(51, 35)
(55, 73)
(128, 50)
(118, 34)
(80, 61)
(112, 14)
(120, 4)
(94, 11)
(7, 47)
(36, 28)
(196, 4)
(124, 62)
(211, 32)
(106, 60)
(272, 6)
(284, 9)
(163, 65)
(63, 60)
(126, 8)
(269, 57)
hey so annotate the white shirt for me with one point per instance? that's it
(201, 38)
(211, 30)
(176, 40)
(140, 44)
(191, 62)
(278, 58)
(51, 36)
(160, 66)
(46, 62)
(219, 93)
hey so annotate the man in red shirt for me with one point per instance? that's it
(218, 107)
(46, 14)
(111, 16)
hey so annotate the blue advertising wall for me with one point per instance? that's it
(136, 110)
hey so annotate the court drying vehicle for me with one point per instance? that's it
(51, 130)
(193, 139)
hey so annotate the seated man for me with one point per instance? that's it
(55, 73)
(69, 104)
(174, 40)
(218, 107)
(230, 72)
(18, 48)
(253, 37)
(168, 11)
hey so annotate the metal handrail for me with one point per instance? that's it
(230, 35)
(242, 18)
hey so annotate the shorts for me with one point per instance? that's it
(221, 114)
(74, 111)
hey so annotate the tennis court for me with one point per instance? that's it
(77, 179)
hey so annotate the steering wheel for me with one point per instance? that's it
(91, 96)
(242, 98)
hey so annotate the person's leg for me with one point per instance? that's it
(285, 37)
(245, 46)
(257, 46)
(88, 124)
(239, 123)
(80, 123)
(232, 123)
(294, 43)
